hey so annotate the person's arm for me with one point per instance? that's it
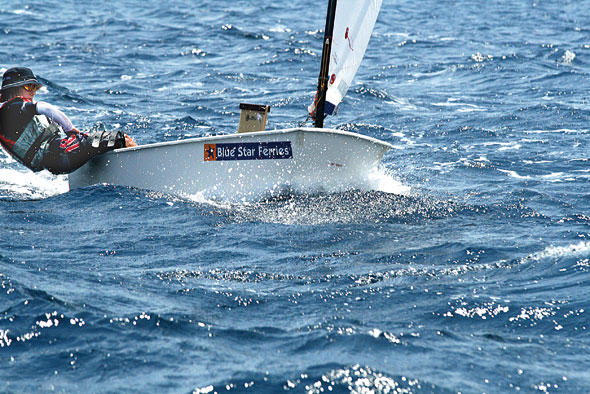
(53, 113)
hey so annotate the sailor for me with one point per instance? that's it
(39, 135)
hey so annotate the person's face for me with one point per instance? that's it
(29, 91)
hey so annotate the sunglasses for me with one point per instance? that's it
(31, 88)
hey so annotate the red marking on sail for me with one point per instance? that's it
(347, 37)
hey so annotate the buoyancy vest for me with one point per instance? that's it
(24, 133)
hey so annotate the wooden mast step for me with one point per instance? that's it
(253, 117)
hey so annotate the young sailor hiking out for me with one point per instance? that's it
(33, 132)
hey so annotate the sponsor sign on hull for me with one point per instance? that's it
(248, 151)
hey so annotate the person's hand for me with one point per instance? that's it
(129, 141)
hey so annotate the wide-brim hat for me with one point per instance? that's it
(19, 76)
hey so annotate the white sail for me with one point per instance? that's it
(353, 26)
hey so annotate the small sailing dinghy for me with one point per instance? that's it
(254, 161)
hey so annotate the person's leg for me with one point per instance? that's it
(66, 155)
(70, 153)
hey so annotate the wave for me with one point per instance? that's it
(325, 378)
(581, 248)
(26, 185)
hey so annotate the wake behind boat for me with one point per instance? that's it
(253, 161)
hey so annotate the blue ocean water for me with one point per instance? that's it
(467, 269)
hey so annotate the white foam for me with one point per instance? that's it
(582, 248)
(553, 175)
(29, 185)
(395, 34)
(478, 57)
(280, 29)
(381, 180)
(465, 106)
(513, 146)
(20, 12)
(529, 162)
(181, 86)
(503, 145)
(514, 174)
(201, 198)
(566, 131)
(471, 110)
(568, 57)
(402, 104)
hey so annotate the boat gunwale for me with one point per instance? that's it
(220, 137)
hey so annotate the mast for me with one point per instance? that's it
(323, 78)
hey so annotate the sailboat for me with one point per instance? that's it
(255, 161)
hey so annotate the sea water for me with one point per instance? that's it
(462, 266)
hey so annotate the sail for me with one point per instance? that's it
(353, 26)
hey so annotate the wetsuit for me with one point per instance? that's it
(32, 134)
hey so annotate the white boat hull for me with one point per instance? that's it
(238, 166)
